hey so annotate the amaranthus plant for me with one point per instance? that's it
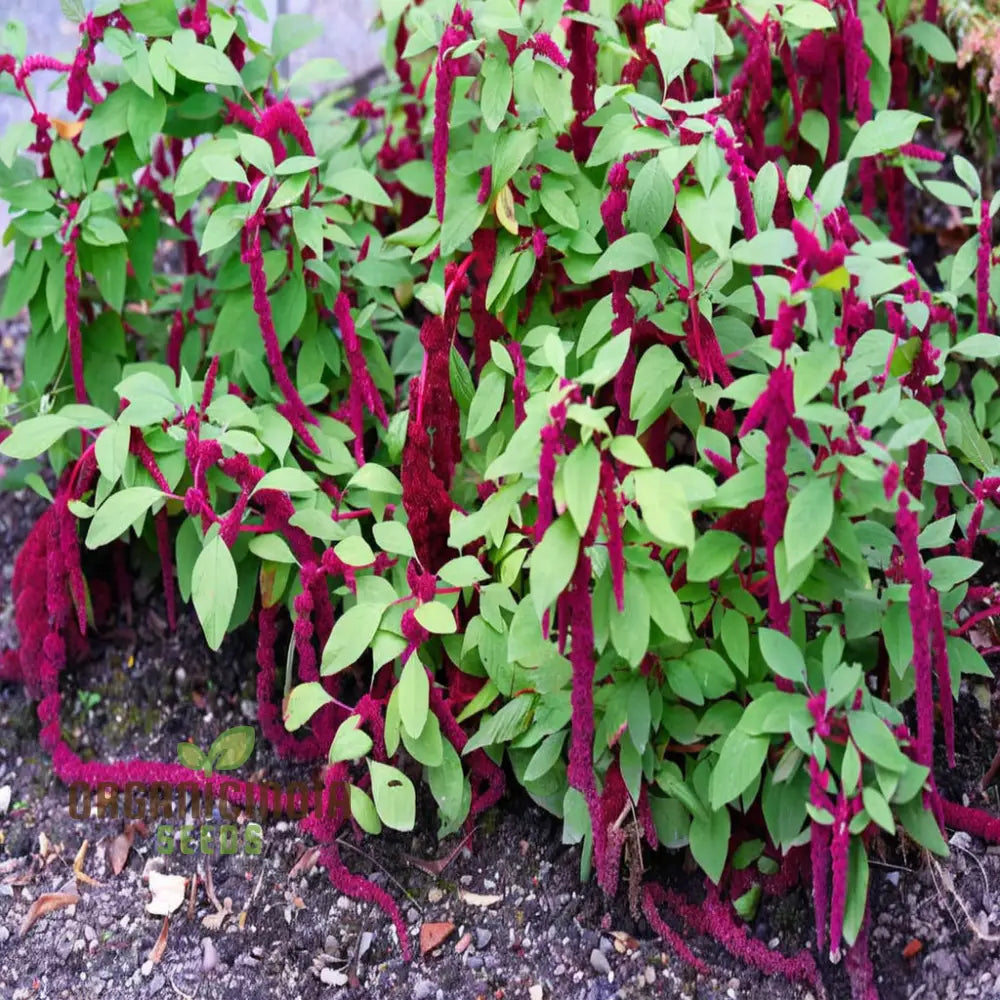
(567, 408)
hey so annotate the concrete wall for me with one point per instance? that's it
(345, 34)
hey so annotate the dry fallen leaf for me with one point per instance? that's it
(437, 865)
(161, 942)
(214, 921)
(168, 893)
(432, 935)
(503, 208)
(66, 130)
(306, 863)
(118, 850)
(624, 942)
(78, 871)
(477, 899)
(46, 903)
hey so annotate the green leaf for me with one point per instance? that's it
(201, 63)
(436, 617)
(232, 748)
(391, 536)
(857, 891)
(286, 480)
(119, 512)
(350, 742)
(213, 589)
(932, 40)
(376, 479)
(224, 225)
(350, 637)
(304, 701)
(447, 782)
(875, 740)
(486, 403)
(509, 722)
(810, 515)
(713, 555)
(560, 206)
(553, 562)
(921, 825)
(363, 812)
(878, 809)
(651, 199)
(461, 381)
(655, 377)
(67, 167)
(664, 508)
(544, 758)
(154, 18)
(291, 32)
(463, 572)
(979, 345)
(498, 85)
(427, 747)
(947, 571)
(769, 247)
(272, 548)
(782, 655)
(809, 15)
(581, 476)
(359, 184)
(354, 551)
(414, 694)
(35, 435)
(395, 797)
(626, 254)
(709, 842)
(886, 131)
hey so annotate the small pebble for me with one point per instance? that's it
(331, 977)
(463, 943)
(599, 962)
(424, 989)
(535, 992)
(435, 895)
(209, 956)
(147, 967)
(649, 974)
(483, 938)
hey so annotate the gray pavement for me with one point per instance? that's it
(345, 33)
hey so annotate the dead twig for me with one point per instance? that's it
(399, 885)
(256, 890)
(949, 884)
(437, 867)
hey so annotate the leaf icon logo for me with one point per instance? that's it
(231, 749)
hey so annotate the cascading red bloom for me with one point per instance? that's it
(907, 530)
(581, 41)
(446, 69)
(983, 261)
(362, 390)
(297, 413)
